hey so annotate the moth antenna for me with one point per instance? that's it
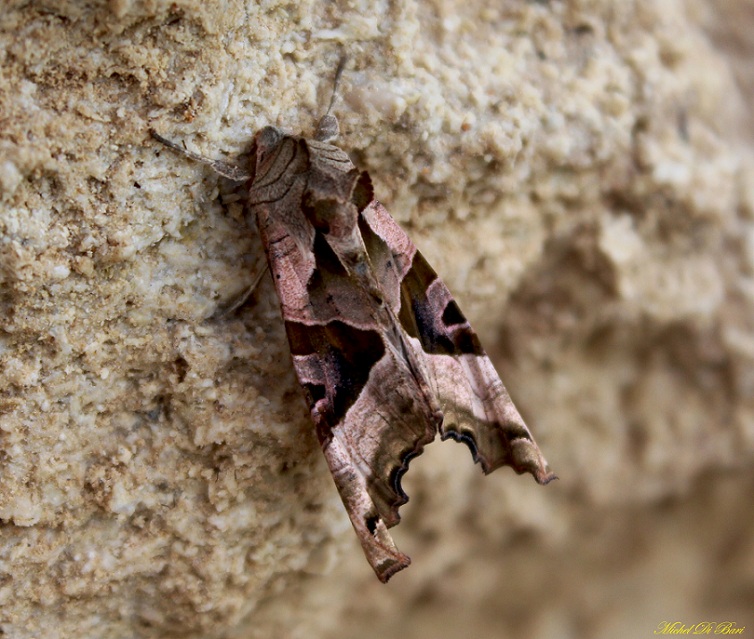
(336, 81)
(233, 173)
(328, 129)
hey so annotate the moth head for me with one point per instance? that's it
(265, 142)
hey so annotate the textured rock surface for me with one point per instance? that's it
(580, 173)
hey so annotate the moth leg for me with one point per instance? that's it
(234, 173)
(239, 301)
(379, 548)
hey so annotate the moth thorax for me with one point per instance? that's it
(327, 129)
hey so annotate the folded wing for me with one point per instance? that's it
(476, 406)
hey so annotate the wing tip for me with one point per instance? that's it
(527, 458)
(380, 550)
(544, 476)
(391, 566)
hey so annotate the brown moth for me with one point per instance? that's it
(384, 355)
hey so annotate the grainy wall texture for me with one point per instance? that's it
(580, 172)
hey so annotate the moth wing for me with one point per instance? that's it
(371, 417)
(371, 404)
(476, 406)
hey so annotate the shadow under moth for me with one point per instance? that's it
(384, 355)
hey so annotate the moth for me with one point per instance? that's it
(383, 354)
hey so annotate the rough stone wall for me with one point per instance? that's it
(581, 175)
